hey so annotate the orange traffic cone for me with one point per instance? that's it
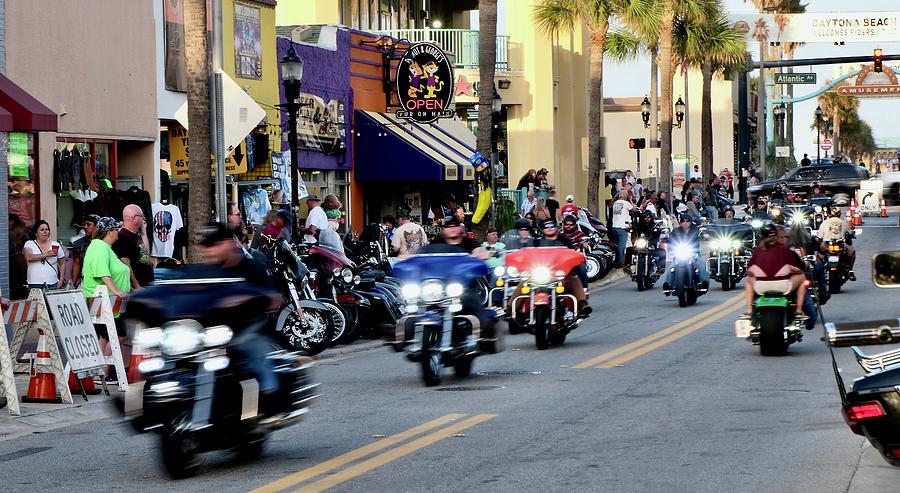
(857, 218)
(138, 354)
(883, 208)
(42, 386)
(87, 383)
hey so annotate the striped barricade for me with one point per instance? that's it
(7, 378)
(103, 309)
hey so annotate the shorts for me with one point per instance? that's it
(121, 329)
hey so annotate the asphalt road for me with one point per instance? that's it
(644, 396)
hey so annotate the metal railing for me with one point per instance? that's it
(462, 44)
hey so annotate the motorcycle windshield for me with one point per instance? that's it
(334, 258)
(553, 258)
(451, 267)
(738, 231)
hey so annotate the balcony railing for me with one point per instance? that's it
(462, 44)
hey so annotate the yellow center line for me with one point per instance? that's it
(678, 335)
(341, 460)
(640, 342)
(392, 455)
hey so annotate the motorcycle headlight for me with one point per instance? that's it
(347, 275)
(541, 275)
(818, 209)
(499, 271)
(454, 290)
(218, 335)
(336, 272)
(180, 337)
(756, 223)
(513, 272)
(432, 290)
(683, 251)
(736, 244)
(410, 291)
(641, 243)
(147, 337)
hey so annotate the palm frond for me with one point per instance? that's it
(557, 16)
(623, 44)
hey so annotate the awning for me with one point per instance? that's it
(6, 121)
(388, 148)
(28, 114)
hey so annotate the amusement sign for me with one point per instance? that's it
(424, 84)
(872, 84)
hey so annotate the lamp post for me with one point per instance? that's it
(496, 108)
(779, 112)
(818, 134)
(645, 112)
(680, 107)
(679, 112)
(291, 77)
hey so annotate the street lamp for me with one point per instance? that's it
(818, 134)
(679, 112)
(645, 112)
(779, 112)
(496, 108)
(291, 77)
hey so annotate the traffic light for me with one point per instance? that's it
(637, 143)
(877, 56)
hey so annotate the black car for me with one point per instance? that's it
(838, 181)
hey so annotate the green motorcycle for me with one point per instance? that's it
(772, 324)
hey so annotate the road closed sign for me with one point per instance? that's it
(76, 331)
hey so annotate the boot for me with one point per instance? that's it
(584, 309)
(851, 276)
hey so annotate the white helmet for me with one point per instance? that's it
(570, 198)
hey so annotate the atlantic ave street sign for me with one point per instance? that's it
(795, 78)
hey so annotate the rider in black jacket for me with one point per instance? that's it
(686, 234)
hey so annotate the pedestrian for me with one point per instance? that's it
(131, 246)
(696, 174)
(621, 221)
(528, 204)
(570, 207)
(80, 246)
(103, 266)
(316, 219)
(552, 203)
(805, 161)
(409, 237)
(18, 267)
(388, 225)
(541, 213)
(638, 191)
(629, 178)
(650, 205)
(332, 207)
(527, 180)
(46, 259)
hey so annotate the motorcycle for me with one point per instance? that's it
(687, 284)
(335, 280)
(193, 395)
(435, 332)
(772, 324)
(837, 264)
(820, 207)
(304, 323)
(870, 406)
(644, 269)
(600, 256)
(542, 306)
(729, 255)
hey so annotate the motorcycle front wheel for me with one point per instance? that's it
(542, 326)
(338, 319)
(312, 334)
(179, 455)
(432, 368)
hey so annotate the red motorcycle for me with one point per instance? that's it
(541, 305)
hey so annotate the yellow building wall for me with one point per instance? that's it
(301, 12)
(264, 91)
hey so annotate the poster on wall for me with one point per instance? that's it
(176, 77)
(424, 84)
(247, 47)
(18, 155)
(179, 158)
(413, 202)
(320, 125)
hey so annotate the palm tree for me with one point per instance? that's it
(557, 16)
(715, 47)
(197, 69)
(487, 61)
(839, 108)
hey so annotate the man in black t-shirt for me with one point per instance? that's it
(131, 248)
(454, 236)
(553, 205)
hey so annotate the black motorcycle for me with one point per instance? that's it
(687, 283)
(644, 264)
(871, 406)
(837, 264)
(729, 252)
(197, 394)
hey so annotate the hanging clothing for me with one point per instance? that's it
(251, 152)
(167, 220)
(256, 205)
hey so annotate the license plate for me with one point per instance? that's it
(834, 258)
(541, 298)
(742, 328)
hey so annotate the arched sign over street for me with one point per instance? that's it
(820, 27)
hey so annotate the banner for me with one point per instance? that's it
(235, 163)
(320, 125)
(424, 84)
(821, 27)
(176, 77)
(247, 47)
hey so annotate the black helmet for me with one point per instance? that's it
(769, 229)
(523, 224)
(648, 215)
(686, 217)
(570, 217)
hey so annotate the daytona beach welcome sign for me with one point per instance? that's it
(424, 84)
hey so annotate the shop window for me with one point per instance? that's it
(22, 181)
(71, 206)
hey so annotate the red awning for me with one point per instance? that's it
(6, 121)
(28, 114)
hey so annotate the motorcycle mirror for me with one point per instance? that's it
(886, 269)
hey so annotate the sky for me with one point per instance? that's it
(881, 114)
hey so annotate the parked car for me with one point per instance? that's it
(838, 181)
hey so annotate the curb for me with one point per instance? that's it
(357, 347)
(613, 277)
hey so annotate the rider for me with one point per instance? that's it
(835, 228)
(727, 217)
(646, 226)
(817, 192)
(773, 266)
(573, 283)
(493, 246)
(520, 238)
(573, 233)
(686, 233)
(251, 345)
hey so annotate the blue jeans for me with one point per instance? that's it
(582, 274)
(821, 280)
(809, 308)
(621, 241)
(253, 347)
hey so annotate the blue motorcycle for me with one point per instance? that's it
(445, 323)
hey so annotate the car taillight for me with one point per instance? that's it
(893, 453)
(863, 411)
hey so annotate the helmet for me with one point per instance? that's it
(570, 198)
(727, 209)
(570, 217)
(523, 224)
(769, 229)
(835, 211)
(648, 215)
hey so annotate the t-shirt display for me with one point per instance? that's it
(130, 246)
(166, 221)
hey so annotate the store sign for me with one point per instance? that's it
(235, 163)
(794, 78)
(869, 83)
(820, 27)
(424, 84)
(247, 47)
(18, 154)
(320, 125)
